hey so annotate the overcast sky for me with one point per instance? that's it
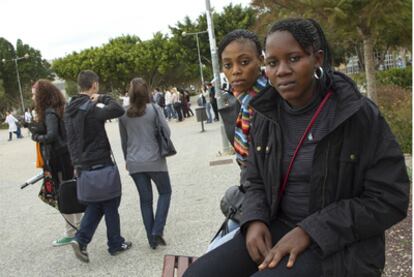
(59, 27)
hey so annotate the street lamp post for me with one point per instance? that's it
(216, 72)
(26, 56)
(198, 50)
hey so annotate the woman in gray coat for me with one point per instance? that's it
(143, 160)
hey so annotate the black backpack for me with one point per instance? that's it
(161, 100)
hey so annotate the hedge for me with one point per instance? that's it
(395, 104)
(396, 76)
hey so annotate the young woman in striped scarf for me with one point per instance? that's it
(241, 58)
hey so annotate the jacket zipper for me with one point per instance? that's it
(325, 176)
(279, 148)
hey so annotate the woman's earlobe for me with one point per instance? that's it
(319, 55)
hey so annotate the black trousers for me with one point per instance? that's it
(178, 110)
(215, 109)
(232, 260)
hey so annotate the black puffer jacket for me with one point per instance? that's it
(51, 135)
(358, 187)
(229, 115)
(85, 125)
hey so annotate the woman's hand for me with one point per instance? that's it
(94, 97)
(258, 241)
(292, 244)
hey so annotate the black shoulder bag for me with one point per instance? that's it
(164, 142)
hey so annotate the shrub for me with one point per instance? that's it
(396, 76)
(395, 104)
(71, 88)
(358, 78)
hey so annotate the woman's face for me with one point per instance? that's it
(241, 64)
(290, 69)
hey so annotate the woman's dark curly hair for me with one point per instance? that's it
(47, 95)
(240, 34)
(138, 97)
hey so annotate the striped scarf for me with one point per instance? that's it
(241, 134)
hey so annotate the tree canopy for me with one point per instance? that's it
(30, 69)
(353, 27)
(164, 60)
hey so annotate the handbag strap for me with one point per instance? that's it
(68, 222)
(302, 139)
(113, 157)
(157, 115)
(157, 118)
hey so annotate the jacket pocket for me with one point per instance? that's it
(348, 162)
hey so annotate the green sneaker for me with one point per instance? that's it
(62, 241)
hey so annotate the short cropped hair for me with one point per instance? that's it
(86, 78)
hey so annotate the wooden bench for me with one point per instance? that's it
(175, 266)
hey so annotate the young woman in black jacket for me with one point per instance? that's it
(49, 105)
(324, 212)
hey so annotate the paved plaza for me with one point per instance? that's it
(28, 226)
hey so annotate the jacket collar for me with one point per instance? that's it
(346, 95)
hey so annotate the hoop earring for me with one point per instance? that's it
(318, 75)
(270, 83)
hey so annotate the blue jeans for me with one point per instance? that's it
(170, 111)
(91, 218)
(153, 225)
(208, 110)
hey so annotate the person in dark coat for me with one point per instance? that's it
(241, 58)
(49, 131)
(89, 148)
(325, 213)
(213, 100)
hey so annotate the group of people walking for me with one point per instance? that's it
(322, 174)
(74, 143)
(174, 102)
(15, 125)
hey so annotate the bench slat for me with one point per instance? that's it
(169, 266)
(172, 262)
(182, 265)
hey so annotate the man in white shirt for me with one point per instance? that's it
(13, 128)
(169, 105)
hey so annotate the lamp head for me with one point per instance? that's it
(26, 56)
